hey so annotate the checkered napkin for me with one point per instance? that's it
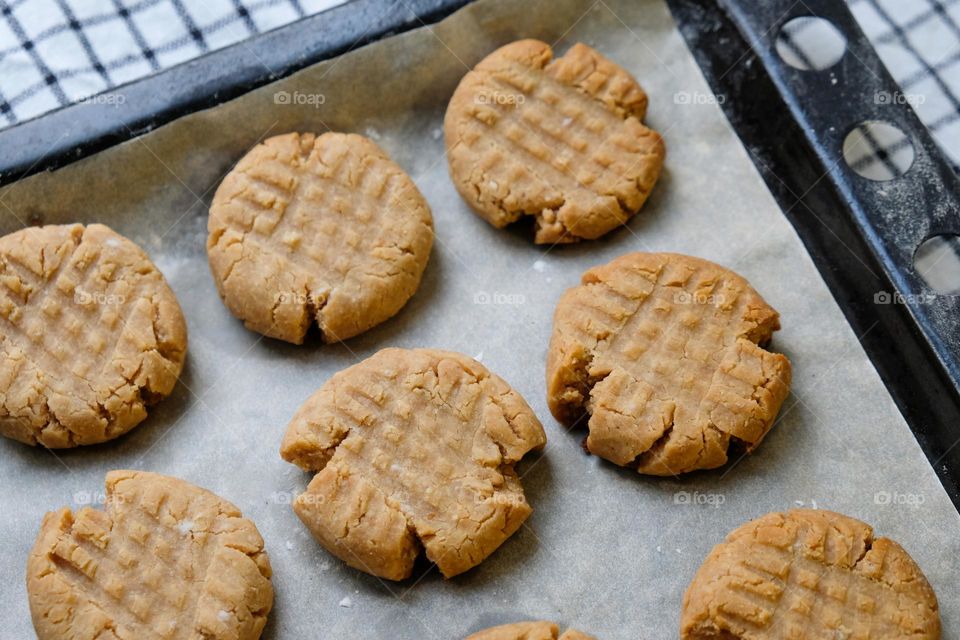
(919, 42)
(55, 52)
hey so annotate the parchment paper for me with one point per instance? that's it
(606, 550)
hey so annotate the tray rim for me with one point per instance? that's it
(70, 133)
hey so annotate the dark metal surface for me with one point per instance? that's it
(861, 234)
(79, 130)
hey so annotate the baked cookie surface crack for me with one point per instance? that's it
(560, 140)
(90, 335)
(413, 450)
(809, 574)
(164, 560)
(317, 229)
(662, 352)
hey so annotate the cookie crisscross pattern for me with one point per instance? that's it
(413, 448)
(91, 335)
(165, 560)
(662, 351)
(809, 575)
(560, 141)
(324, 228)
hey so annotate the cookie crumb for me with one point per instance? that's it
(346, 603)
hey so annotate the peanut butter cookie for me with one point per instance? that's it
(529, 631)
(809, 574)
(165, 559)
(661, 350)
(90, 335)
(560, 140)
(413, 449)
(323, 229)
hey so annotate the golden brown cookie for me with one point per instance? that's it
(166, 559)
(323, 229)
(809, 574)
(661, 350)
(413, 449)
(90, 335)
(528, 631)
(560, 140)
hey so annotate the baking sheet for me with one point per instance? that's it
(606, 550)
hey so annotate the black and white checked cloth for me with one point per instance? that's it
(55, 52)
(919, 42)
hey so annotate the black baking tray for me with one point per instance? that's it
(861, 234)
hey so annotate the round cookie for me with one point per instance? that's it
(661, 350)
(809, 574)
(165, 559)
(323, 229)
(559, 140)
(90, 335)
(413, 449)
(528, 631)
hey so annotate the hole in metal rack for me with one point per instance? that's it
(810, 44)
(878, 150)
(937, 260)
